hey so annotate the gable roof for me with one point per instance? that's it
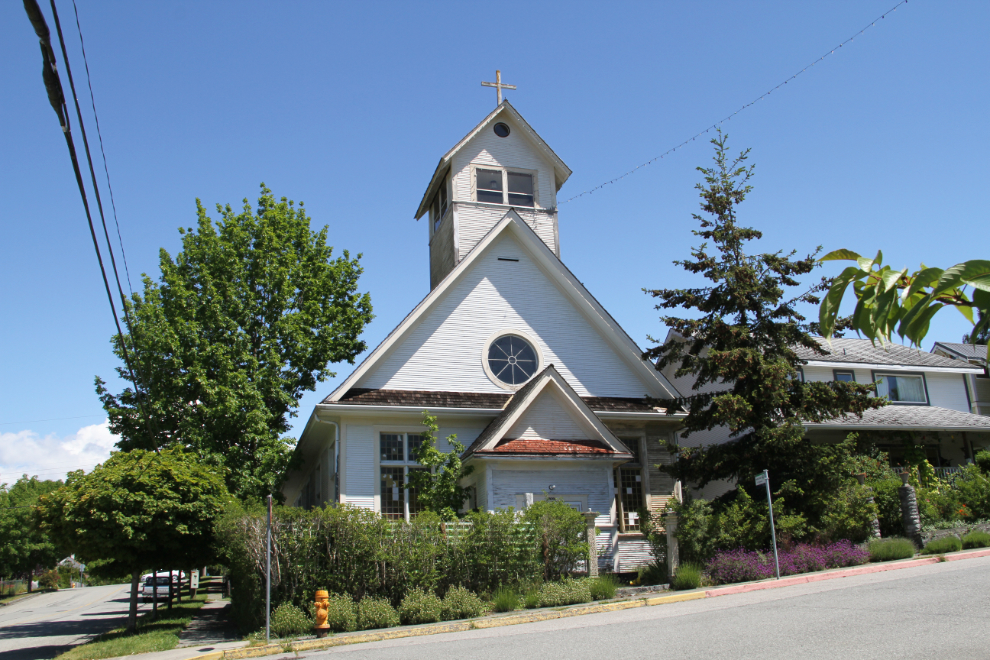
(962, 351)
(850, 351)
(603, 441)
(491, 400)
(573, 289)
(562, 171)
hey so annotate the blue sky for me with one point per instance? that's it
(348, 107)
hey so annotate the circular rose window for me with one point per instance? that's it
(512, 360)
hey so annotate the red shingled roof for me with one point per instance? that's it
(541, 446)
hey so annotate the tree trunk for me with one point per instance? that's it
(132, 609)
(30, 577)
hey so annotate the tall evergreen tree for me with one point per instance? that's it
(738, 343)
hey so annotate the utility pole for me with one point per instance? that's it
(268, 576)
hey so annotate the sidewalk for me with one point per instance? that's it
(239, 650)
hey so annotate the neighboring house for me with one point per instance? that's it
(929, 401)
(978, 384)
(511, 353)
(929, 398)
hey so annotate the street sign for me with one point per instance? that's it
(761, 478)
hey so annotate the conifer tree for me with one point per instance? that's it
(738, 342)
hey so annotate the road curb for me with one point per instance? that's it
(347, 639)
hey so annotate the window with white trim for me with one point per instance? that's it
(844, 376)
(901, 388)
(396, 460)
(505, 186)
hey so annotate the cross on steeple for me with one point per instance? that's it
(498, 85)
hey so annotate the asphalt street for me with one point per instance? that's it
(933, 611)
(42, 626)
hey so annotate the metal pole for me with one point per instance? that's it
(268, 576)
(773, 533)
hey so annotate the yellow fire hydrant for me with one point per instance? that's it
(322, 603)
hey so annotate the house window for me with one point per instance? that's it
(512, 360)
(844, 376)
(900, 388)
(440, 205)
(505, 187)
(398, 459)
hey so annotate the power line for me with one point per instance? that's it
(99, 135)
(56, 98)
(53, 419)
(728, 117)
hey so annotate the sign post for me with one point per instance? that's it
(764, 480)
(268, 575)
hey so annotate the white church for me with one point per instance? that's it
(511, 353)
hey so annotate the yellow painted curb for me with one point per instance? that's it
(216, 655)
(436, 629)
(660, 600)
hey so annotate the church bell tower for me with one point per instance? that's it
(501, 165)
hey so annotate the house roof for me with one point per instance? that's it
(575, 291)
(863, 352)
(495, 401)
(601, 439)
(963, 351)
(913, 418)
(562, 171)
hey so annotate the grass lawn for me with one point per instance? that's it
(159, 635)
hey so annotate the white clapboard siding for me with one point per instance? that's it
(605, 543)
(546, 418)
(517, 150)
(633, 553)
(589, 482)
(444, 351)
(360, 484)
(947, 391)
(465, 435)
(475, 221)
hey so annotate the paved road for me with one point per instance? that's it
(933, 611)
(42, 626)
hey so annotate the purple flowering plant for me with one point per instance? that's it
(743, 566)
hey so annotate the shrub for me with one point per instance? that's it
(459, 603)
(688, 576)
(565, 592)
(376, 613)
(973, 488)
(532, 599)
(976, 539)
(499, 551)
(560, 536)
(890, 549)
(341, 614)
(603, 587)
(982, 460)
(49, 580)
(288, 621)
(506, 600)
(650, 575)
(742, 566)
(420, 607)
(942, 545)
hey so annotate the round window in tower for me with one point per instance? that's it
(501, 130)
(512, 360)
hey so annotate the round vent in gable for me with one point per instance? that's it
(501, 130)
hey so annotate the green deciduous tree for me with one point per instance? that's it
(246, 318)
(438, 488)
(889, 301)
(738, 345)
(24, 547)
(139, 509)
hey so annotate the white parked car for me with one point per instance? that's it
(152, 591)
